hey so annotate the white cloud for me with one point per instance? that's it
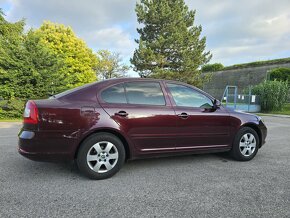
(81, 15)
(236, 31)
(113, 38)
(245, 30)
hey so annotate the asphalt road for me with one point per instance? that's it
(210, 185)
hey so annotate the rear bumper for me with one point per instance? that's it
(44, 157)
(45, 146)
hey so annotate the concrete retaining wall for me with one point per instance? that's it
(242, 78)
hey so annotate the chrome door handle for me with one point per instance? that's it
(122, 113)
(183, 115)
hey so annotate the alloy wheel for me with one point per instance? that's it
(247, 144)
(102, 157)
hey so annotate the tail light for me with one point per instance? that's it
(30, 114)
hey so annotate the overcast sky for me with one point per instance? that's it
(236, 31)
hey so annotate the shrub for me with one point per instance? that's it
(273, 94)
(212, 67)
(280, 74)
(11, 108)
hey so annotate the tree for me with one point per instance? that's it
(33, 64)
(78, 61)
(45, 65)
(170, 45)
(11, 55)
(110, 65)
(25, 63)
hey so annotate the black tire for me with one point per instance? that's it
(236, 151)
(99, 139)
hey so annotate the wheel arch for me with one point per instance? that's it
(257, 130)
(106, 130)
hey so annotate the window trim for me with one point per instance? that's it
(190, 87)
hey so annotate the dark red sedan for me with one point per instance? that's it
(105, 123)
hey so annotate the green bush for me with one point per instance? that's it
(280, 74)
(273, 94)
(212, 67)
(11, 108)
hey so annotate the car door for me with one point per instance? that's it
(143, 113)
(199, 125)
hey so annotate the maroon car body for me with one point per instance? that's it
(59, 125)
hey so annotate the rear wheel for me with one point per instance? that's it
(246, 144)
(101, 156)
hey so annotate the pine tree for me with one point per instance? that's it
(170, 45)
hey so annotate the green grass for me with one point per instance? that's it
(285, 110)
(10, 119)
(257, 64)
(230, 103)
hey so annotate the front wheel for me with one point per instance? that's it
(246, 144)
(101, 156)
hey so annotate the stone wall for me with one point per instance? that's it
(242, 78)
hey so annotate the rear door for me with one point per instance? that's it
(199, 126)
(143, 113)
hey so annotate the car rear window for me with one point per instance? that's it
(147, 93)
(70, 91)
(114, 94)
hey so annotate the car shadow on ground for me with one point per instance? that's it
(70, 169)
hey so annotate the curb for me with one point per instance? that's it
(274, 115)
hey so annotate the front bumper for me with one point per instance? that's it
(264, 132)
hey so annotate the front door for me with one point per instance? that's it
(199, 126)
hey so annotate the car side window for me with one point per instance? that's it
(114, 94)
(148, 93)
(188, 97)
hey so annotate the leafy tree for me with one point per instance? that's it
(110, 65)
(78, 61)
(11, 55)
(25, 63)
(47, 60)
(170, 45)
(44, 65)
(33, 64)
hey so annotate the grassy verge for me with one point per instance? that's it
(10, 119)
(285, 110)
(257, 64)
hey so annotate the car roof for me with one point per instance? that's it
(108, 82)
(128, 79)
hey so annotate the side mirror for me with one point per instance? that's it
(216, 103)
